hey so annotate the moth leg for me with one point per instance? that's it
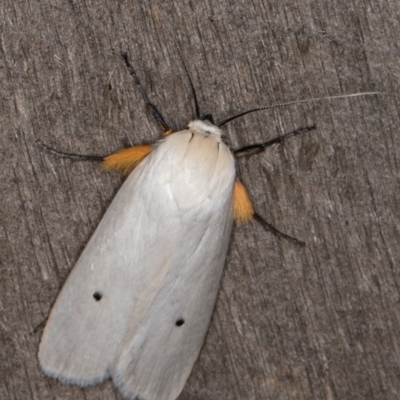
(267, 226)
(122, 161)
(243, 212)
(151, 107)
(73, 156)
(39, 326)
(260, 147)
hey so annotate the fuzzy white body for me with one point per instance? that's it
(156, 258)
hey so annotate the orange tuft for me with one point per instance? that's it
(125, 160)
(242, 208)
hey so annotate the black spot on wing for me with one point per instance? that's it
(97, 295)
(179, 322)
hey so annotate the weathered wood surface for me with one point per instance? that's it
(320, 322)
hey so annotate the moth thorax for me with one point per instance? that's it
(205, 128)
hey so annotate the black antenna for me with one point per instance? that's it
(196, 104)
(151, 107)
(294, 102)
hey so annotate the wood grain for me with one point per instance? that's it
(320, 322)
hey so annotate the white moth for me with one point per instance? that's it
(137, 304)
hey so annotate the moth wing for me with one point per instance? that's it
(159, 359)
(81, 337)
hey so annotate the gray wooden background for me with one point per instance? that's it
(320, 322)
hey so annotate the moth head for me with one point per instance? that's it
(205, 128)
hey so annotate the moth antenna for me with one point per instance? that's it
(296, 102)
(196, 103)
(151, 107)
